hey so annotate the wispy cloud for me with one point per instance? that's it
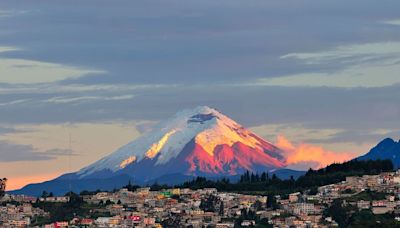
(358, 53)
(11, 13)
(361, 65)
(14, 102)
(64, 100)
(392, 22)
(56, 88)
(8, 49)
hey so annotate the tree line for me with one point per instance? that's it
(264, 183)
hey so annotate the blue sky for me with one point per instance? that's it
(322, 72)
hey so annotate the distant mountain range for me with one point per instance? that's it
(196, 142)
(386, 149)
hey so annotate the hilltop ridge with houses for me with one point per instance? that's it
(375, 197)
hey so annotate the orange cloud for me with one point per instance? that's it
(305, 156)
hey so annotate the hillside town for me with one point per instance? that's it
(183, 207)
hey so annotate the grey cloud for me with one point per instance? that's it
(8, 130)
(359, 136)
(313, 107)
(10, 152)
(145, 127)
(190, 41)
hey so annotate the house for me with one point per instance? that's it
(248, 223)
(61, 224)
(304, 208)
(55, 199)
(294, 197)
(225, 225)
(363, 204)
(87, 222)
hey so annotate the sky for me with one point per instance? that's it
(320, 76)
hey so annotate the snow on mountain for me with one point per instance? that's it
(199, 140)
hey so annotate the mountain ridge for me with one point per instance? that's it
(385, 149)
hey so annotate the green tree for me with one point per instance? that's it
(258, 206)
(340, 213)
(45, 194)
(271, 202)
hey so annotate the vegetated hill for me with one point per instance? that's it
(265, 183)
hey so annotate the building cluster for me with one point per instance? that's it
(12, 215)
(386, 183)
(172, 207)
(210, 208)
(306, 209)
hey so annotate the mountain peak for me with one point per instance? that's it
(200, 110)
(386, 143)
(386, 149)
(192, 138)
(199, 114)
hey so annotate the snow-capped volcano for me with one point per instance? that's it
(199, 141)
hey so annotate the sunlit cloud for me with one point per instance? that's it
(304, 156)
(356, 141)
